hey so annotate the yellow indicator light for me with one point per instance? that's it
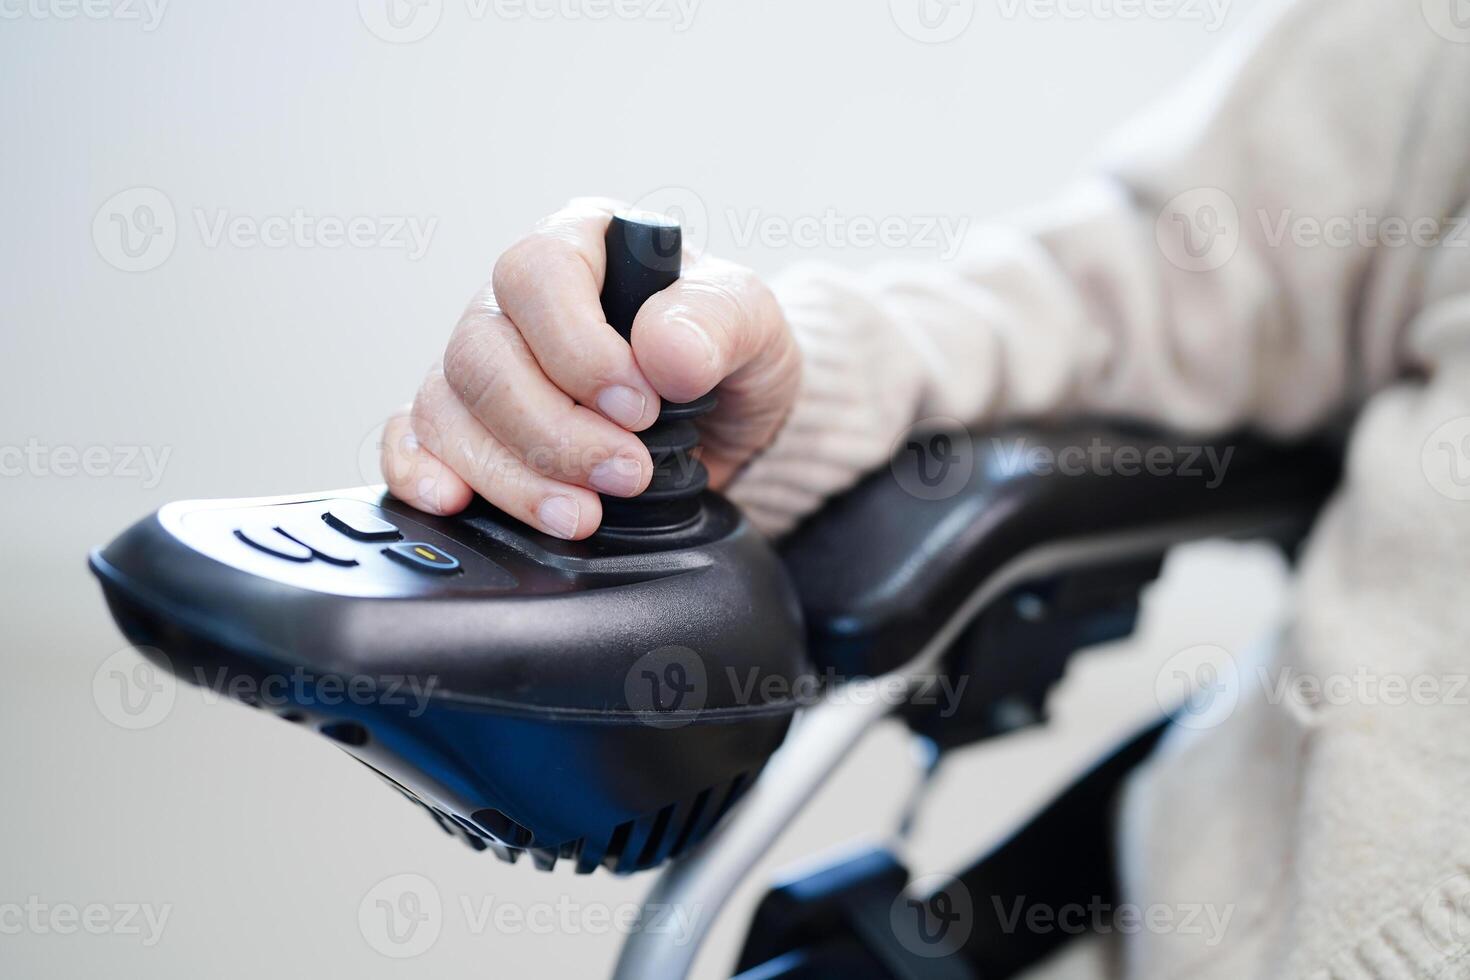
(426, 553)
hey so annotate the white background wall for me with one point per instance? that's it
(263, 370)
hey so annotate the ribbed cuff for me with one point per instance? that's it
(860, 388)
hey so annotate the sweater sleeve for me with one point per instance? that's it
(1222, 267)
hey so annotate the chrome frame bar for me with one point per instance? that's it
(702, 882)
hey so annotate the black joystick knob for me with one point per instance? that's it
(644, 252)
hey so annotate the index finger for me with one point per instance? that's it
(548, 284)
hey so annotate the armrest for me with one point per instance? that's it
(882, 573)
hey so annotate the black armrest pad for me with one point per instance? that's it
(880, 570)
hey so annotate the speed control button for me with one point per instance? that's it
(422, 556)
(360, 523)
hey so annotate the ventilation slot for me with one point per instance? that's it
(346, 732)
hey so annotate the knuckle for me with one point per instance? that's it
(521, 265)
(730, 295)
(475, 364)
(423, 422)
(483, 305)
(504, 482)
(582, 369)
(727, 290)
(755, 304)
(549, 449)
(429, 395)
(460, 357)
(515, 265)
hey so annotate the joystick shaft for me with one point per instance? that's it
(644, 255)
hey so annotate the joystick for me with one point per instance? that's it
(601, 702)
(644, 254)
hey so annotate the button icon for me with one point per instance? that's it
(323, 543)
(425, 557)
(273, 542)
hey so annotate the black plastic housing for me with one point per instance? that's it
(883, 567)
(523, 699)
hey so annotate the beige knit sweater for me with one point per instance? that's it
(1283, 244)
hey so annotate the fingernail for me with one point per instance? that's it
(619, 476)
(701, 339)
(622, 404)
(559, 515)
